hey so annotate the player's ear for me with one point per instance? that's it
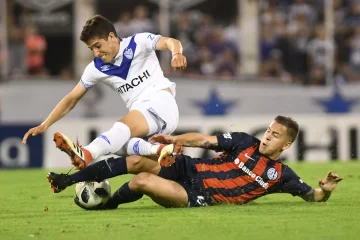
(112, 37)
(286, 146)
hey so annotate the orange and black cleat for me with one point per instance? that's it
(79, 156)
(168, 153)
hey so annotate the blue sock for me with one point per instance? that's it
(123, 195)
(99, 171)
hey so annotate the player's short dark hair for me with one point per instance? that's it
(291, 124)
(97, 26)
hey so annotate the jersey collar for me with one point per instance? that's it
(118, 55)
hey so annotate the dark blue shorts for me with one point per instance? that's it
(183, 171)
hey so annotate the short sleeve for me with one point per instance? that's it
(147, 40)
(229, 141)
(90, 76)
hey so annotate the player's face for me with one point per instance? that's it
(274, 141)
(106, 49)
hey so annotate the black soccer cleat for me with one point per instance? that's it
(58, 182)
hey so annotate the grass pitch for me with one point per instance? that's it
(29, 210)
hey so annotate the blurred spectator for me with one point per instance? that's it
(317, 76)
(273, 68)
(300, 22)
(218, 44)
(184, 31)
(267, 43)
(340, 14)
(35, 50)
(353, 18)
(292, 43)
(227, 64)
(122, 26)
(141, 22)
(319, 49)
(273, 19)
(66, 74)
(232, 33)
(206, 62)
(17, 52)
(301, 7)
(355, 50)
(205, 30)
(304, 50)
(343, 74)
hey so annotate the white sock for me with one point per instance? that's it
(138, 146)
(110, 141)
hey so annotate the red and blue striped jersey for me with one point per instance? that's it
(243, 173)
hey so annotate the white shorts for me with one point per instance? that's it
(160, 111)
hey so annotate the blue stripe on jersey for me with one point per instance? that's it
(155, 42)
(86, 86)
(122, 70)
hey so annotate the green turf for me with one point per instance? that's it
(29, 210)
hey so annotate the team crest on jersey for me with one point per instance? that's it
(272, 174)
(105, 68)
(129, 53)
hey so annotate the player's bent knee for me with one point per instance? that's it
(133, 163)
(140, 182)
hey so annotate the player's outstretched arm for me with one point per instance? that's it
(326, 186)
(61, 109)
(178, 61)
(188, 140)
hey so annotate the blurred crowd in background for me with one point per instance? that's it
(292, 46)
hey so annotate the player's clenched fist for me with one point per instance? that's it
(33, 132)
(178, 61)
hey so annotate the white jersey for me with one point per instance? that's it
(135, 71)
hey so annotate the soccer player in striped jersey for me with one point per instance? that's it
(130, 67)
(248, 169)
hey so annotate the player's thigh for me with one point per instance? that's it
(137, 123)
(160, 111)
(162, 191)
(136, 164)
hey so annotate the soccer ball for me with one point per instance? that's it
(92, 195)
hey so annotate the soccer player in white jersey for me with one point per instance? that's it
(131, 68)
